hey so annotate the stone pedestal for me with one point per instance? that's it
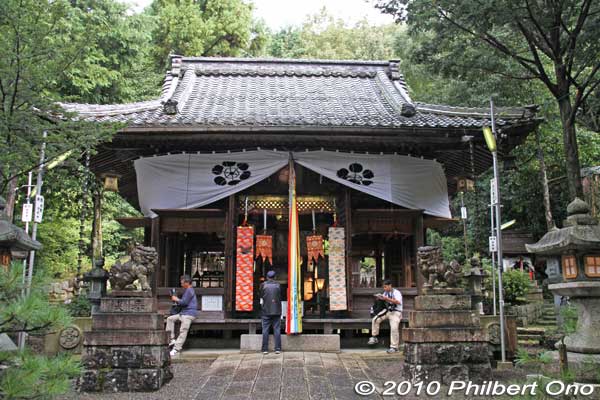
(127, 348)
(444, 341)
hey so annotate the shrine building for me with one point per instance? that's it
(215, 153)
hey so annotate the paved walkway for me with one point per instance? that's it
(287, 376)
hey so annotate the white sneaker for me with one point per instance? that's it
(265, 352)
(277, 352)
(174, 353)
(372, 340)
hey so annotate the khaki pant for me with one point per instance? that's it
(186, 321)
(394, 317)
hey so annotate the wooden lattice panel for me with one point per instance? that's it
(279, 203)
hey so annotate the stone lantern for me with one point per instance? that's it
(12, 238)
(577, 245)
(97, 278)
(474, 278)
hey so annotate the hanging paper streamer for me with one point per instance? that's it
(264, 247)
(293, 323)
(314, 245)
(337, 269)
(244, 264)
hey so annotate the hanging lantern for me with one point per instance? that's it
(320, 284)
(464, 184)
(308, 289)
(111, 181)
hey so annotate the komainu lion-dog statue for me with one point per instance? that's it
(141, 265)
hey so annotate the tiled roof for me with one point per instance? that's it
(283, 93)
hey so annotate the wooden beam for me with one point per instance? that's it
(190, 213)
(135, 222)
(348, 214)
(230, 225)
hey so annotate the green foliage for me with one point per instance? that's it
(553, 45)
(34, 376)
(515, 284)
(26, 313)
(80, 306)
(453, 248)
(203, 28)
(323, 36)
(25, 375)
(569, 318)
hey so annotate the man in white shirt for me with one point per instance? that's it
(393, 313)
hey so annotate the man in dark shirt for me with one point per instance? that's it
(270, 297)
(189, 311)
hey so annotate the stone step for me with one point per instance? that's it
(531, 331)
(320, 343)
(528, 343)
(529, 337)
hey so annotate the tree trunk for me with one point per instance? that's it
(97, 225)
(11, 198)
(571, 150)
(544, 178)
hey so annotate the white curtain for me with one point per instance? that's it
(195, 180)
(406, 181)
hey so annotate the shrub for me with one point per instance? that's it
(80, 306)
(516, 284)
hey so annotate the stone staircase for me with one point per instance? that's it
(532, 336)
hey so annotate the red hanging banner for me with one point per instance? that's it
(244, 265)
(314, 245)
(264, 247)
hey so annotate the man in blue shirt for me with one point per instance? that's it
(189, 311)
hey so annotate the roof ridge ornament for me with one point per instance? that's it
(170, 107)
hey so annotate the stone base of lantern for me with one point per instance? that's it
(127, 348)
(585, 368)
(445, 342)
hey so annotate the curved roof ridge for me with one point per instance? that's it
(90, 110)
(504, 112)
(267, 60)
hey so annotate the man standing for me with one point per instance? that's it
(270, 297)
(393, 313)
(189, 309)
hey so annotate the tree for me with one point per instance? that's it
(203, 28)
(325, 37)
(554, 42)
(24, 375)
(41, 43)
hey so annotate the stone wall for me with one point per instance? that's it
(526, 314)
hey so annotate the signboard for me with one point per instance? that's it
(463, 212)
(27, 212)
(39, 209)
(493, 244)
(212, 303)
(493, 194)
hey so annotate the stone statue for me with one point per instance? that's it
(141, 265)
(438, 274)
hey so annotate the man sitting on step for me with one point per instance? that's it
(393, 313)
(188, 310)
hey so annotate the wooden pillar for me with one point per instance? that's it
(348, 214)
(378, 264)
(419, 241)
(147, 236)
(154, 242)
(230, 225)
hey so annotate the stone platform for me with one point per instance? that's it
(444, 341)
(127, 348)
(304, 342)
